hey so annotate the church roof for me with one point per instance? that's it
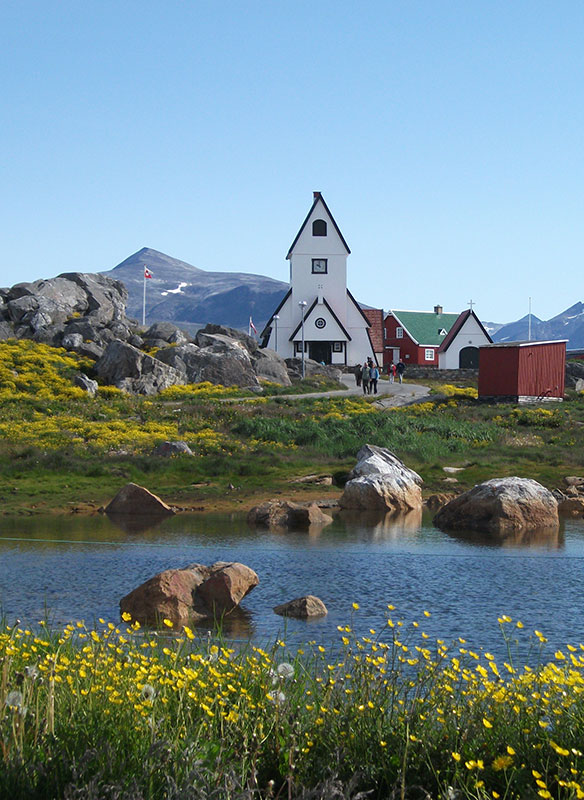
(309, 311)
(456, 328)
(318, 198)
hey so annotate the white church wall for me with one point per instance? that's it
(470, 335)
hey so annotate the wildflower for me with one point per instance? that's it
(14, 700)
(502, 762)
(168, 623)
(148, 692)
(456, 756)
(277, 698)
(486, 723)
(510, 750)
(31, 671)
(356, 606)
(559, 750)
(285, 670)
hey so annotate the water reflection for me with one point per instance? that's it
(238, 624)
(136, 523)
(550, 538)
(380, 525)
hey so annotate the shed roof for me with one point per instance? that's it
(531, 343)
(425, 327)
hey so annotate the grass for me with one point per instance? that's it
(111, 711)
(60, 448)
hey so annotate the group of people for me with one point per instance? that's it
(367, 376)
(396, 369)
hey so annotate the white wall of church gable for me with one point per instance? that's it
(470, 335)
(307, 285)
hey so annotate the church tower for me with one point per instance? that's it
(318, 308)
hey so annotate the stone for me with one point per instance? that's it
(90, 350)
(574, 374)
(6, 331)
(167, 332)
(71, 341)
(436, 501)
(316, 480)
(83, 382)
(169, 449)
(269, 366)
(134, 499)
(573, 480)
(226, 586)
(571, 507)
(306, 607)
(311, 368)
(381, 481)
(249, 342)
(452, 470)
(283, 514)
(224, 362)
(133, 371)
(105, 298)
(501, 506)
(191, 594)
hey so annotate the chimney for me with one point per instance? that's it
(316, 195)
(438, 309)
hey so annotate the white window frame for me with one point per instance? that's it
(399, 332)
(337, 347)
(429, 354)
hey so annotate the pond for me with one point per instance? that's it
(69, 568)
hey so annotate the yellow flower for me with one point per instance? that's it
(356, 606)
(456, 756)
(168, 623)
(510, 750)
(486, 723)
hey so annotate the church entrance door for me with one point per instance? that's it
(320, 351)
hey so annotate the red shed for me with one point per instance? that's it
(522, 372)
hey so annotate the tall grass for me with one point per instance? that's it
(117, 712)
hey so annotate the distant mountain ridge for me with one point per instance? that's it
(567, 325)
(190, 297)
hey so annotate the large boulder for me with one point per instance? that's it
(283, 514)
(307, 607)
(575, 375)
(166, 332)
(132, 370)
(134, 499)
(501, 506)
(271, 367)
(311, 368)
(223, 361)
(248, 342)
(190, 595)
(381, 481)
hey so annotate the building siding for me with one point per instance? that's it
(522, 370)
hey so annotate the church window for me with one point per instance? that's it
(319, 266)
(320, 322)
(319, 227)
(337, 347)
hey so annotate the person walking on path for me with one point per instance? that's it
(400, 369)
(357, 371)
(373, 378)
(391, 372)
(365, 378)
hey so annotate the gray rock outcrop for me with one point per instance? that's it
(190, 595)
(220, 361)
(133, 371)
(381, 481)
(169, 449)
(500, 506)
(311, 368)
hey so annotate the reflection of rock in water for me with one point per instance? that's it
(543, 537)
(238, 624)
(136, 523)
(381, 525)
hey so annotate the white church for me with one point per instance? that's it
(318, 312)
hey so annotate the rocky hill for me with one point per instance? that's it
(191, 297)
(567, 325)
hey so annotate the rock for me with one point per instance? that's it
(248, 342)
(6, 331)
(166, 332)
(436, 501)
(571, 507)
(381, 481)
(105, 298)
(282, 514)
(573, 480)
(452, 470)
(134, 499)
(316, 480)
(83, 382)
(449, 480)
(269, 366)
(191, 594)
(305, 607)
(168, 449)
(501, 505)
(574, 374)
(227, 585)
(311, 368)
(71, 341)
(90, 350)
(224, 362)
(132, 370)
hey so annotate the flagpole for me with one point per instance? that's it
(144, 299)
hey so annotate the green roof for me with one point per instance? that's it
(425, 326)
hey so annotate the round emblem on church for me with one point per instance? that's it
(320, 322)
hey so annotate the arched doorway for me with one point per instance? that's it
(468, 358)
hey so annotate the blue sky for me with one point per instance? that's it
(446, 137)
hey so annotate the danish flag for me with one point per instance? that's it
(147, 273)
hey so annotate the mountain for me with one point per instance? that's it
(190, 297)
(567, 325)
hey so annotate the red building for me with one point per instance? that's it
(375, 317)
(415, 336)
(522, 372)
